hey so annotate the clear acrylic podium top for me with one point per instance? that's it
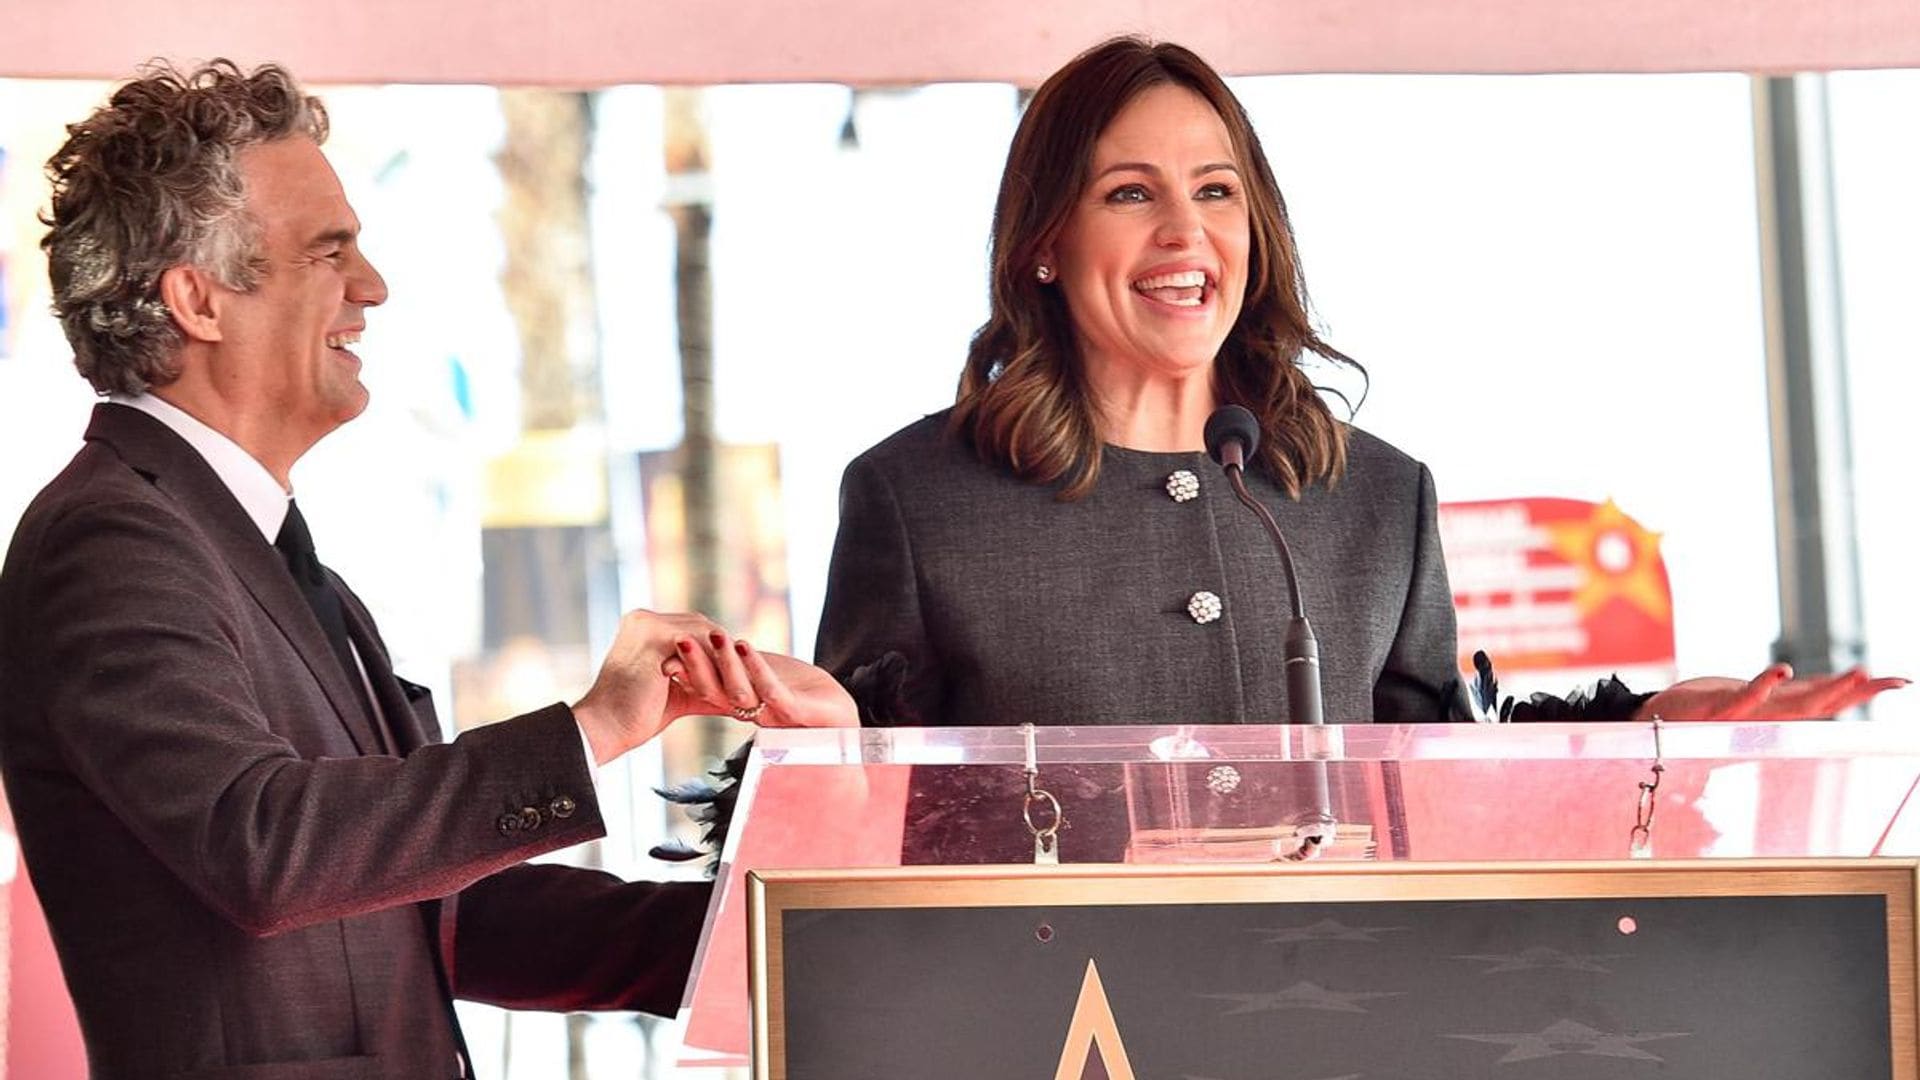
(1501, 793)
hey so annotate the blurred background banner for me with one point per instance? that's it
(1559, 591)
(890, 42)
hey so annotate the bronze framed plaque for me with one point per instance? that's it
(1764, 970)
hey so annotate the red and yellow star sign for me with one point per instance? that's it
(1557, 584)
(1619, 559)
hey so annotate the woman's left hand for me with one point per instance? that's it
(1772, 695)
(729, 677)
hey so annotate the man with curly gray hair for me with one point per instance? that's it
(257, 857)
(153, 182)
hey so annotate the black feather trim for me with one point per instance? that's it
(690, 793)
(710, 805)
(879, 690)
(1486, 688)
(675, 850)
(1609, 700)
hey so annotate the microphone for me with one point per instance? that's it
(1232, 435)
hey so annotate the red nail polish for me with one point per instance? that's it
(685, 645)
(740, 647)
(719, 639)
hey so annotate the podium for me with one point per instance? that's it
(1450, 899)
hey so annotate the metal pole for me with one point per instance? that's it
(690, 204)
(1821, 630)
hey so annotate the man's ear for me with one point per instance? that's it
(189, 295)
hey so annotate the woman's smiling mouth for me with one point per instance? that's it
(1178, 288)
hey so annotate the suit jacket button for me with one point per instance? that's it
(561, 807)
(1183, 486)
(508, 824)
(1204, 607)
(529, 817)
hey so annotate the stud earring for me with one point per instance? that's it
(1043, 272)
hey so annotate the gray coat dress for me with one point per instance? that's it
(1009, 606)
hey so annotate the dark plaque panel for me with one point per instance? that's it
(1756, 987)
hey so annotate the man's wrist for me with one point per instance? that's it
(598, 732)
(586, 748)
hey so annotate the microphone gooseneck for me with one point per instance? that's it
(1232, 435)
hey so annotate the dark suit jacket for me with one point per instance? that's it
(1010, 606)
(239, 884)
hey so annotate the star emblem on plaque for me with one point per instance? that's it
(1573, 1037)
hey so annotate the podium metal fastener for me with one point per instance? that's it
(1640, 839)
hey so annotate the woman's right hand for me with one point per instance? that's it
(630, 700)
(727, 676)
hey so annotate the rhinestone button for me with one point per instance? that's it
(1183, 485)
(1204, 606)
(1223, 779)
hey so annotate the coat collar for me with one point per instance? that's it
(150, 448)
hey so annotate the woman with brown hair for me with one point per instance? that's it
(1058, 549)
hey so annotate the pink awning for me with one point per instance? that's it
(601, 42)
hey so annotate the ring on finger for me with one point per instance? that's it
(743, 712)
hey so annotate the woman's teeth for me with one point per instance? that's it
(341, 341)
(1185, 288)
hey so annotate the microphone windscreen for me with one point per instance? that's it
(1231, 423)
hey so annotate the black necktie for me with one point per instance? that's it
(296, 546)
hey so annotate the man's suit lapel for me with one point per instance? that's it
(410, 730)
(396, 703)
(148, 446)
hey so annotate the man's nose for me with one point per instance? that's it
(365, 286)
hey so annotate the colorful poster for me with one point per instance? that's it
(1559, 592)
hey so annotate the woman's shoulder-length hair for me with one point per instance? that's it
(1023, 402)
